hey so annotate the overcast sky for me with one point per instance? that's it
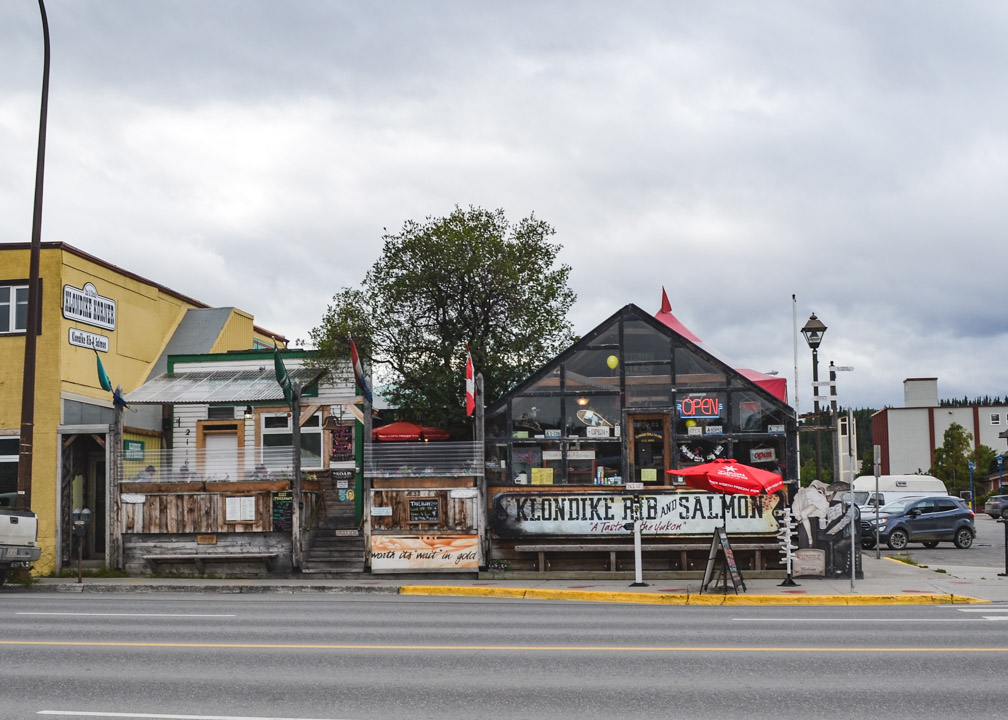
(249, 153)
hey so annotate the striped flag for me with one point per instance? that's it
(358, 371)
(470, 384)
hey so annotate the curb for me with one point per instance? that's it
(643, 598)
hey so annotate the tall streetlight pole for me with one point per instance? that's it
(813, 332)
(27, 437)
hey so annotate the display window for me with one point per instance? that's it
(536, 417)
(593, 416)
(701, 414)
(753, 414)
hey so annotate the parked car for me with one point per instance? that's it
(929, 520)
(997, 506)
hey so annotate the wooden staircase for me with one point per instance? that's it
(336, 548)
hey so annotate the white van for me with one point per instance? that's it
(895, 487)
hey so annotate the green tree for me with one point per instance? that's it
(952, 458)
(471, 277)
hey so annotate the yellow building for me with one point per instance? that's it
(90, 308)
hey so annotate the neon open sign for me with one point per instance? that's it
(701, 408)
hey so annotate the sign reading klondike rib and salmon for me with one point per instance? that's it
(605, 514)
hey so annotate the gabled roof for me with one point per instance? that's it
(774, 385)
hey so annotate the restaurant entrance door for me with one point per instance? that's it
(649, 448)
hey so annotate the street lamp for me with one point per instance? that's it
(1000, 459)
(813, 332)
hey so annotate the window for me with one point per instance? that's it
(8, 470)
(277, 432)
(13, 308)
(995, 418)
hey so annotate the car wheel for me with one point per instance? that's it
(1004, 514)
(931, 544)
(868, 542)
(963, 538)
(898, 539)
(3, 576)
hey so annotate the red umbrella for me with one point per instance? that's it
(404, 431)
(730, 477)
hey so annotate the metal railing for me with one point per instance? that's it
(423, 459)
(213, 465)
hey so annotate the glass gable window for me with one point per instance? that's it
(648, 384)
(643, 343)
(694, 371)
(589, 370)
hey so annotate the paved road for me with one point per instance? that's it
(209, 655)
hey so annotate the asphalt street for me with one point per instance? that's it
(371, 657)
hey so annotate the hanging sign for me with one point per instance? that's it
(87, 306)
(92, 341)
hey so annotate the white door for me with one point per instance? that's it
(221, 460)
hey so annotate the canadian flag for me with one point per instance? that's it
(470, 384)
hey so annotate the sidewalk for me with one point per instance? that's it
(885, 581)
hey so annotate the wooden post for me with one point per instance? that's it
(483, 529)
(366, 481)
(296, 476)
(114, 548)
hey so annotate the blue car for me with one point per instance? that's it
(929, 520)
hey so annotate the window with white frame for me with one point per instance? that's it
(278, 433)
(13, 308)
(995, 418)
(9, 449)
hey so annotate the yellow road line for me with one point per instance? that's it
(500, 648)
(646, 598)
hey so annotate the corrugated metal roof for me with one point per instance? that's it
(218, 386)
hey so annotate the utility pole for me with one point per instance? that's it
(27, 437)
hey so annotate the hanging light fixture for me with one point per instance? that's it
(248, 412)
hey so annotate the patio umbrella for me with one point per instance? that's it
(730, 477)
(404, 431)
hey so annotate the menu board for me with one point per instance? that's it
(342, 444)
(720, 544)
(424, 510)
(283, 511)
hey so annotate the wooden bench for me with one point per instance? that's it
(200, 558)
(543, 563)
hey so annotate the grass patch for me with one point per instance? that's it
(943, 571)
(908, 560)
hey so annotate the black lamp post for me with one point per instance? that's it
(813, 332)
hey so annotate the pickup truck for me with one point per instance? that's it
(18, 538)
